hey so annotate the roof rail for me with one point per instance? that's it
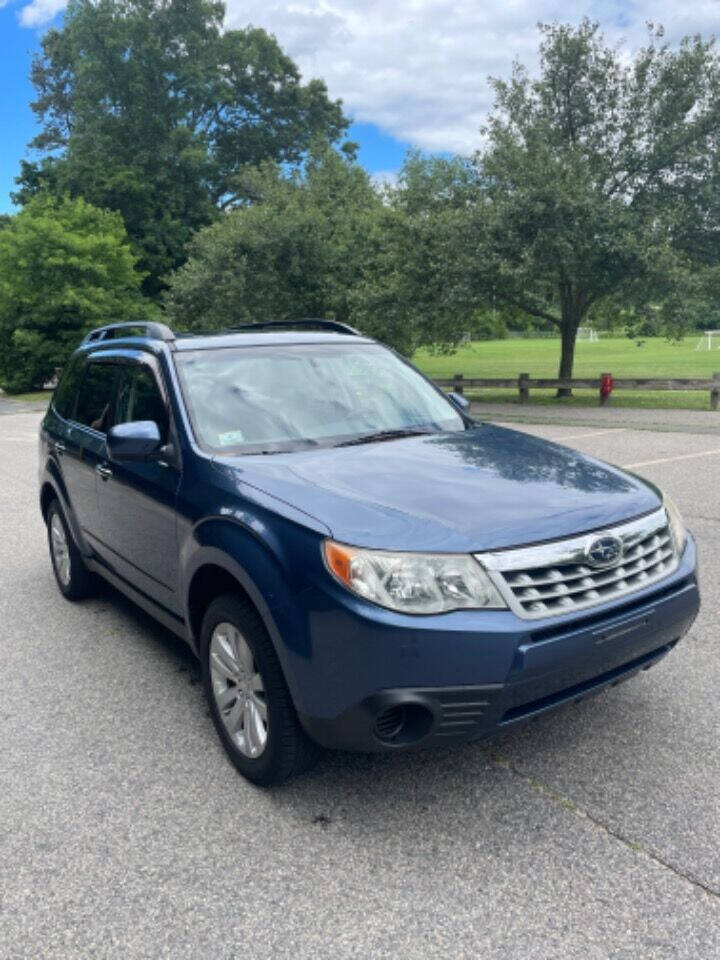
(335, 325)
(155, 331)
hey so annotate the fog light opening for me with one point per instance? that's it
(403, 724)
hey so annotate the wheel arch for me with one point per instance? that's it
(208, 582)
(214, 573)
(52, 487)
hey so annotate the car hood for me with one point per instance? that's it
(480, 489)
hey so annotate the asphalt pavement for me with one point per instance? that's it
(610, 417)
(592, 833)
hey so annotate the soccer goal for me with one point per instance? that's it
(706, 340)
(587, 333)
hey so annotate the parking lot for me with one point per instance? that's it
(591, 833)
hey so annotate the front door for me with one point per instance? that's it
(137, 500)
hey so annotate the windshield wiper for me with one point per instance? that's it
(385, 435)
(289, 446)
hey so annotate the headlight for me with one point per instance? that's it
(413, 582)
(677, 527)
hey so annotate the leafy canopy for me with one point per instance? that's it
(427, 280)
(65, 267)
(301, 249)
(154, 110)
(594, 179)
(597, 186)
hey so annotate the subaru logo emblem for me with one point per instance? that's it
(604, 552)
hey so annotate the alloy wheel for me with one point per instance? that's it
(238, 690)
(60, 549)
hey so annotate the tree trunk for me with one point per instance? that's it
(567, 357)
(573, 311)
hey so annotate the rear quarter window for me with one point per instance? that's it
(63, 400)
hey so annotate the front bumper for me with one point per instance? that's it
(536, 668)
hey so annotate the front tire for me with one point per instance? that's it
(249, 701)
(73, 577)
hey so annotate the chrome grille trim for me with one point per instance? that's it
(556, 578)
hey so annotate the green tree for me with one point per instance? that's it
(413, 290)
(421, 285)
(434, 291)
(155, 110)
(65, 267)
(301, 249)
(589, 172)
(325, 243)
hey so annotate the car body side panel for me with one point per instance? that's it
(139, 540)
(55, 433)
(84, 450)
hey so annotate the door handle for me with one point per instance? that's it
(104, 471)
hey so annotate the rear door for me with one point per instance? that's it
(83, 444)
(137, 500)
(58, 424)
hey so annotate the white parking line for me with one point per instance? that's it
(594, 433)
(682, 456)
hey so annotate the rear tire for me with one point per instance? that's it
(73, 577)
(249, 700)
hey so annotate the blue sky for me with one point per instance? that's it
(411, 73)
(379, 152)
(16, 119)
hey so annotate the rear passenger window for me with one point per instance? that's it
(96, 394)
(63, 400)
(139, 398)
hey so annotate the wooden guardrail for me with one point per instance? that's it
(524, 383)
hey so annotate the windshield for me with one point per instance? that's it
(277, 398)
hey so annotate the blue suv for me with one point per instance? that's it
(356, 562)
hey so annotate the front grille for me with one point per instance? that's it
(558, 577)
(558, 588)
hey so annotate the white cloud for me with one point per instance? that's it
(39, 12)
(418, 69)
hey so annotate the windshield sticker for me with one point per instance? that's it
(230, 438)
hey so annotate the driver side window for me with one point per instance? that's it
(139, 398)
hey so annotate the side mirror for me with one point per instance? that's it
(461, 402)
(134, 442)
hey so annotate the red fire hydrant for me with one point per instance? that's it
(606, 388)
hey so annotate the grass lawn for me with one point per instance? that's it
(539, 358)
(616, 355)
(36, 396)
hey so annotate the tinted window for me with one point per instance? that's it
(96, 393)
(64, 397)
(139, 398)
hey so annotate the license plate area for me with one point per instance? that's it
(574, 658)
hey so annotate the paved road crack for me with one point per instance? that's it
(638, 848)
